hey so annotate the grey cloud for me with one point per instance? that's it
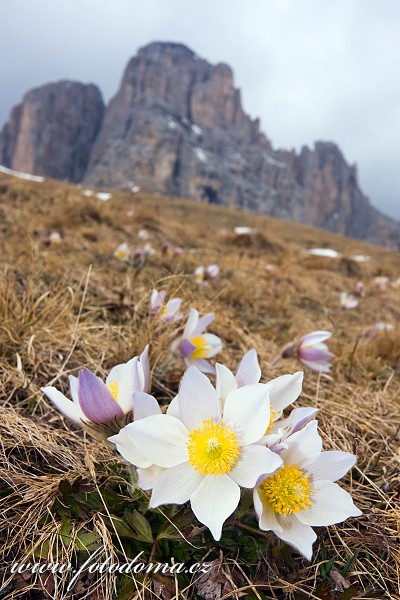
(310, 69)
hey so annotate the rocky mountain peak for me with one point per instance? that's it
(53, 130)
(177, 126)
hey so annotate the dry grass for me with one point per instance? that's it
(73, 305)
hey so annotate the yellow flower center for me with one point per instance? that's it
(163, 311)
(213, 448)
(272, 420)
(288, 490)
(114, 389)
(202, 348)
(121, 253)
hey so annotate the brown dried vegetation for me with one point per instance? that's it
(71, 305)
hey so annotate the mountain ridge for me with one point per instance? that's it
(176, 126)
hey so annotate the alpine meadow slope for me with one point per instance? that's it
(77, 274)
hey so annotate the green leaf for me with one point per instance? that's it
(349, 593)
(349, 563)
(127, 590)
(87, 541)
(140, 525)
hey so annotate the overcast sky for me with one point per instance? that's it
(310, 69)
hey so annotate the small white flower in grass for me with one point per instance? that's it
(212, 271)
(103, 408)
(55, 238)
(207, 454)
(347, 301)
(202, 274)
(199, 274)
(302, 493)
(379, 330)
(396, 284)
(143, 234)
(381, 282)
(310, 351)
(149, 250)
(122, 252)
(195, 346)
(168, 312)
(359, 288)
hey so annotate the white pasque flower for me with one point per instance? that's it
(302, 493)
(347, 301)
(195, 346)
(168, 312)
(103, 408)
(122, 252)
(207, 453)
(285, 390)
(144, 405)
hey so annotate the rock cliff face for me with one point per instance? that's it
(177, 127)
(52, 132)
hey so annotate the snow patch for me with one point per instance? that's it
(360, 258)
(327, 252)
(21, 175)
(196, 129)
(171, 122)
(199, 152)
(243, 230)
(273, 161)
(88, 193)
(104, 196)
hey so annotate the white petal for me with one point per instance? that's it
(127, 448)
(202, 365)
(330, 504)
(300, 536)
(267, 520)
(298, 418)
(286, 391)
(304, 446)
(173, 409)
(68, 408)
(202, 324)
(174, 305)
(147, 477)
(161, 439)
(144, 405)
(175, 486)
(249, 371)
(247, 412)
(73, 387)
(331, 465)
(191, 324)
(214, 501)
(225, 382)
(214, 343)
(116, 373)
(253, 462)
(324, 367)
(123, 375)
(257, 503)
(316, 337)
(198, 399)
